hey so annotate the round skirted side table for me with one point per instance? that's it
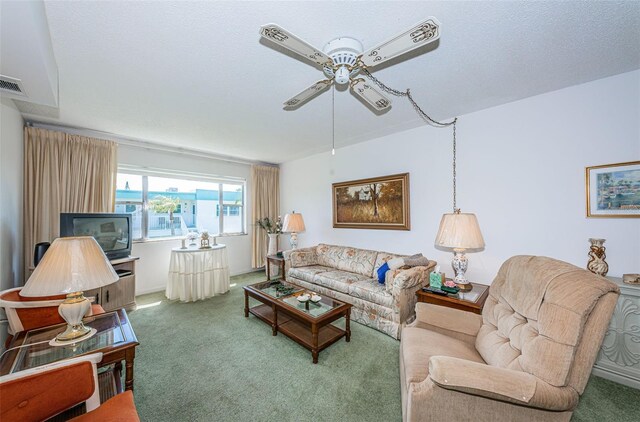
(196, 274)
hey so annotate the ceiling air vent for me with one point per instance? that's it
(11, 86)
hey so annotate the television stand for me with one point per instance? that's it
(122, 293)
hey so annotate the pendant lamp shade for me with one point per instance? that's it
(71, 264)
(459, 231)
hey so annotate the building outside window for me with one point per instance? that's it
(172, 207)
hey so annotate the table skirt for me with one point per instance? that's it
(198, 274)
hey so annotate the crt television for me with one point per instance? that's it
(111, 231)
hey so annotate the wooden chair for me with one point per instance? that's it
(37, 394)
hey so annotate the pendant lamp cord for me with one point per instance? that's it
(455, 208)
(426, 118)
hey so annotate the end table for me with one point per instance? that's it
(470, 301)
(276, 260)
(114, 338)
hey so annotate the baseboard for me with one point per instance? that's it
(616, 377)
(163, 288)
(152, 290)
(246, 271)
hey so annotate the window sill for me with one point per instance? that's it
(179, 238)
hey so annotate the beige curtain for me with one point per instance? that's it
(265, 202)
(63, 173)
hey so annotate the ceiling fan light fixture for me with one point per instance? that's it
(343, 50)
(342, 75)
(344, 53)
(342, 59)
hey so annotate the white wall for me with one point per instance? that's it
(11, 153)
(11, 124)
(520, 169)
(153, 267)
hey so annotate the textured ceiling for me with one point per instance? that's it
(197, 75)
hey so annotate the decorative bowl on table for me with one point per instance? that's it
(303, 298)
(315, 298)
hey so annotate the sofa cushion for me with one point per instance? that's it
(418, 345)
(382, 271)
(372, 310)
(338, 280)
(371, 291)
(307, 273)
(382, 258)
(344, 258)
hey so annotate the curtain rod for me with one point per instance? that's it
(139, 143)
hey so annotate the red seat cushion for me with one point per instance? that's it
(120, 408)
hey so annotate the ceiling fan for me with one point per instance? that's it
(343, 58)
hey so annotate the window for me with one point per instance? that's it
(169, 207)
(129, 200)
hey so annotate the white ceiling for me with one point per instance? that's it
(196, 75)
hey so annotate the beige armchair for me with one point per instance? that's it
(527, 358)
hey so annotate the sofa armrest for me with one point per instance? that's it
(448, 318)
(482, 380)
(300, 257)
(406, 279)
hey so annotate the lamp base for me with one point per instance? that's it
(459, 264)
(56, 343)
(293, 241)
(72, 310)
(464, 287)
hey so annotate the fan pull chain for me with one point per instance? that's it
(407, 94)
(426, 118)
(333, 120)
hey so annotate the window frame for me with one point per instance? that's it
(194, 177)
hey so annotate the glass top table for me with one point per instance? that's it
(114, 338)
(36, 350)
(471, 301)
(288, 293)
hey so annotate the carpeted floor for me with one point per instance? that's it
(205, 361)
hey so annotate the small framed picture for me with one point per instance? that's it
(613, 190)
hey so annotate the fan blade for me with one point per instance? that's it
(421, 34)
(286, 39)
(304, 96)
(368, 93)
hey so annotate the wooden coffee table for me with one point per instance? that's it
(308, 324)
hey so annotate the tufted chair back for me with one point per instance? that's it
(547, 318)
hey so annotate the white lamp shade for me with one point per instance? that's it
(459, 231)
(293, 223)
(71, 264)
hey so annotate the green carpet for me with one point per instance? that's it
(205, 361)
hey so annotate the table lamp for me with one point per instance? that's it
(460, 232)
(294, 224)
(71, 266)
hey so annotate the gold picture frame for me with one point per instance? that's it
(613, 190)
(374, 203)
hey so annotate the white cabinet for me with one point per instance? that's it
(619, 357)
(122, 293)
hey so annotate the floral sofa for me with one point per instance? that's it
(350, 275)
